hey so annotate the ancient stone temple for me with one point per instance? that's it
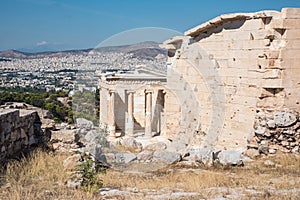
(221, 74)
(133, 102)
(230, 68)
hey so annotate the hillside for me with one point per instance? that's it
(143, 50)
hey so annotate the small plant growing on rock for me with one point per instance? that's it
(89, 170)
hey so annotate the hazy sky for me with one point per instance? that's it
(73, 24)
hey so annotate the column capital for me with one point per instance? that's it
(130, 91)
(111, 91)
(148, 91)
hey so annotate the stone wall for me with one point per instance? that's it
(226, 69)
(18, 131)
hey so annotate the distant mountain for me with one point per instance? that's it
(44, 46)
(23, 55)
(12, 54)
(128, 48)
(146, 50)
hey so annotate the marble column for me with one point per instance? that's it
(111, 115)
(101, 102)
(103, 107)
(130, 120)
(163, 116)
(148, 117)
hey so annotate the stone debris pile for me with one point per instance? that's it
(276, 130)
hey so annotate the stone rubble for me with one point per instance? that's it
(281, 132)
(92, 141)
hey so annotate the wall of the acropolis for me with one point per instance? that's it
(18, 130)
(227, 68)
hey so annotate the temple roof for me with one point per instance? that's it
(229, 17)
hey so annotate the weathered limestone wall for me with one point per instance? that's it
(225, 69)
(18, 129)
(290, 56)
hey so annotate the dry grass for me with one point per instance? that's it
(42, 176)
(189, 181)
(256, 176)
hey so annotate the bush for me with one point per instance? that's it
(89, 170)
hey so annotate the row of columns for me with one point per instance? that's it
(129, 126)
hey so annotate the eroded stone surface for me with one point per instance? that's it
(132, 144)
(145, 155)
(285, 119)
(230, 157)
(125, 157)
(166, 157)
(84, 124)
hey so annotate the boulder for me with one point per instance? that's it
(131, 143)
(166, 157)
(84, 124)
(145, 155)
(112, 192)
(108, 158)
(285, 119)
(95, 150)
(203, 155)
(285, 143)
(48, 124)
(177, 147)
(125, 157)
(289, 132)
(158, 146)
(272, 151)
(295, 149)
(263, 149)
(230, 157)
(91, 136)
(252, 153)
(71, 162)
(259, 130)
(271, 124)
(65, 136)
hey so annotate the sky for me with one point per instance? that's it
(79, 24)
